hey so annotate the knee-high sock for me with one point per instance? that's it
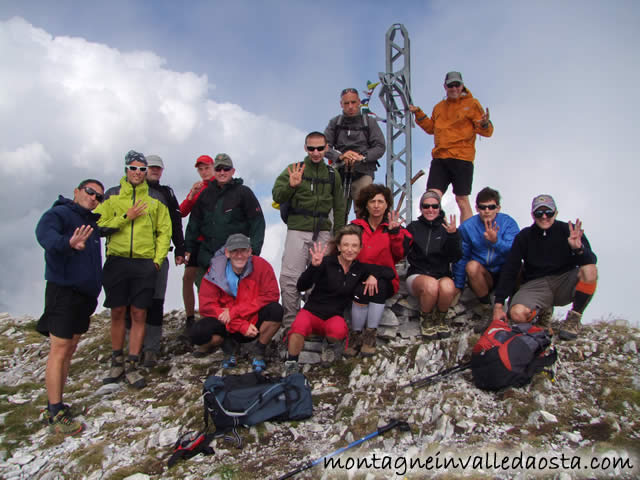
(358, 316)
(583, 295)
(375, 314)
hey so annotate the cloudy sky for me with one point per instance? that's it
(84, 82)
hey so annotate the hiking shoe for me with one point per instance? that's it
(72, 411)
(570, 328)
(150, 359)
(133, 376)
(203, 350)
(258, 364)
(439, 318)
(544, 319)
(229, 362)
(63, 423)
(291, 367)
(355, 342)
(116, 372)
(427, 328)
(369, 342)
(332, 353)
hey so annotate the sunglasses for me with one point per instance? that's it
(223, 168)
(453, 85)
(493, 206)
(348, 90)
(90, 191)
(313, 149)
(434, 206)
(133, 168)
(541, 213)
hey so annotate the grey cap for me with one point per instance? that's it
(453, 77)
(223, 159)
(236, 241)
(154, 161)
(543, 200)
(133, 156)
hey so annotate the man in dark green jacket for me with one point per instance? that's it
(224, 208)
(312, 190)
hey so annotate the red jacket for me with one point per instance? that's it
(257, 287)
(383, 247)
(187, 205)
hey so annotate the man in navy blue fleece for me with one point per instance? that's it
(69, 236)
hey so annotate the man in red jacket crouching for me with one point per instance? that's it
(238, 303)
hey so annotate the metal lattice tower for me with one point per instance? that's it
(395, 95)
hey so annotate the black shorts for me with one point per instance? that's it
(66, 311)
(201, 332)
(193, 259)
(445, 171)
(495, 276)
(128, 281)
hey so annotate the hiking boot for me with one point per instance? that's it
(258, 364)
(369, 342)
(485, 312)
(133, 376)
(150, 359)
(332, 353)
(203, 350)
(355, 342)
(291, 367)
(439, 319)
(229, 361)
(63, 423)
(427, 328)
(116, 372)
(544, 319)
(570, 328)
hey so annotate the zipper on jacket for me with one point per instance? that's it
(131, 242)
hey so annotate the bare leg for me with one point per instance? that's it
(480, 279)
(188, 297)
(426, 289)
(446, 292)
(136, 336)
(267, 331)
(55, 375)
(464, 206)
(296, 342)
(117, 327)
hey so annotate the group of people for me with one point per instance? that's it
(335, 265)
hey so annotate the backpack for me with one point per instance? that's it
(286, 209)
(510, 356)
(339, 126)
(252, 398)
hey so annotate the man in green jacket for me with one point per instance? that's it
(225, 207)
(310, 189)
(138, 227)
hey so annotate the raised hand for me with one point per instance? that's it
(575, 235)
(394, 220)
(317, 252)
(370, 285)
(413, 108)
(450, 226)
(484, 120)
(195, 189)
(491, 231)
(295, 174)
(138, 209)
(80, 236)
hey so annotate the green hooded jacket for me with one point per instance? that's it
(315, 195)
(147, 236)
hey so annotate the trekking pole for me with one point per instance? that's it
(346, 187)
(400, 424)
(436, 377)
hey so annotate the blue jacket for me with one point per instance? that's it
(476, 247)
(80, 269)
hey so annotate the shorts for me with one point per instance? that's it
(129, 281)
(66, 311)
(193, 259)
(201, 331)
(445, 171)
(546, 292)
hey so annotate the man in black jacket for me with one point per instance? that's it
(558, 267)
(164, 193)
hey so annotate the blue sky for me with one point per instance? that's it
(83, 82)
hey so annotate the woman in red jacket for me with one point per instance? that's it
(384, 243)
(204, 164)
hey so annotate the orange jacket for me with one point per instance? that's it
(455, 124)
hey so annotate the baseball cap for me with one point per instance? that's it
(205, 159)
(223, 159)
(543, 200)
(154, 161)
(236, 241)
(133, 156)
(453, 77)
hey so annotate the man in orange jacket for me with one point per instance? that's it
(455, 121)
(238, 303)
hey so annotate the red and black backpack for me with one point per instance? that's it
(509, 356)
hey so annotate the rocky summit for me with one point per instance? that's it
(579, 420)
